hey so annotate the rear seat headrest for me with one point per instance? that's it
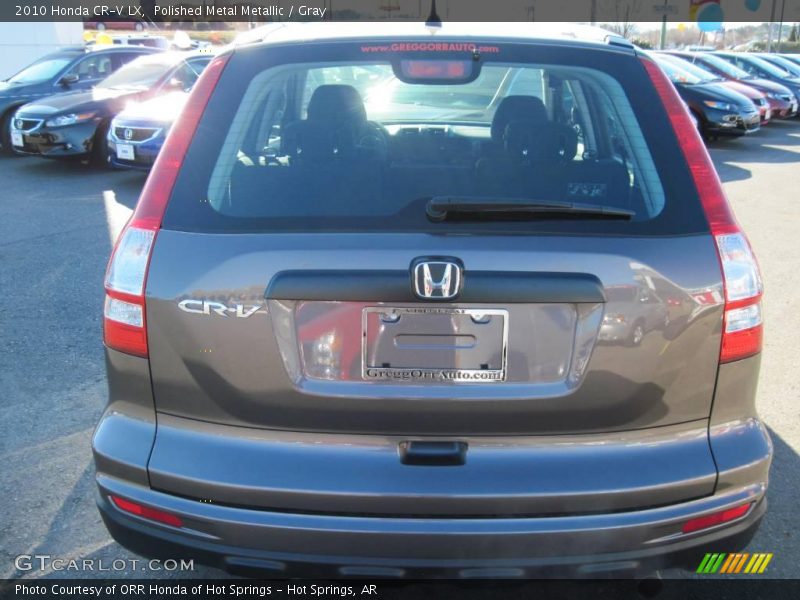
(524, 140)
(517, 108)
(337, 103)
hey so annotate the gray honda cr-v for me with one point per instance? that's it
(355, 320)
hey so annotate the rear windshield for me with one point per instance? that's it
(344, 137)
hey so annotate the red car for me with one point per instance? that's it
(758, 98)
(779, 97)
(126, 25)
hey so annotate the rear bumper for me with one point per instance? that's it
(337, 504)
(284, 544)
(341, 538)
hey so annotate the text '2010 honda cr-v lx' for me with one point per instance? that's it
(399, 300)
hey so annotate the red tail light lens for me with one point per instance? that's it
(152, 514)
(742, 331)
(124, 318)
(717, 518)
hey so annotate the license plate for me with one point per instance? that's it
(16, 139)
(434, 344)
(125, 152)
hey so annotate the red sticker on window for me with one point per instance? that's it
(432, 47)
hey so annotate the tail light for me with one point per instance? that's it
(124, 317)
(717, 518)
(151, 514)
(742, 331)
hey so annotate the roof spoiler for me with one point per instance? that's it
(617, 40)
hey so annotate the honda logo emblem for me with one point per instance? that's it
(437, 279)
(128, 134)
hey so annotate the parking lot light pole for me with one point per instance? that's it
(780, 25)
(665, 9)
(771, 21)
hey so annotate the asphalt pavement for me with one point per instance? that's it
(57, 221)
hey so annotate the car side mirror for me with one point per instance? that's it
(176, 84)
(68, 80)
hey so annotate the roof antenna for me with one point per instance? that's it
(433, 18)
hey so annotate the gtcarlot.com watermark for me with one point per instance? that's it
(45, 562)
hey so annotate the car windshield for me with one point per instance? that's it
(42, 70)
(786, 64)
(142, 73)
(722, 65)
(677, 74)
(695, 70)
(767, 66)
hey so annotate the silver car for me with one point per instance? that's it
(355, 324)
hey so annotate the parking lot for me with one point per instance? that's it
(56, 230)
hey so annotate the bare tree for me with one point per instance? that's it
(624, 13)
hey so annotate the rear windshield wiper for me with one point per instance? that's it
(440, 208)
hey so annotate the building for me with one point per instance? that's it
(22, 43)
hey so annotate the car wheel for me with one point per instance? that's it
(701, 126)
(138, 27)
(637, 334)
(100, 156)
(5, 133)
(100, 26)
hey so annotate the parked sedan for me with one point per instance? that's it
(137, 133)
(69, 70)
(758, 98)
(765, 69)
(781, 62)
(633, 311)
(779, 97)
(719, 111)
(76, 125)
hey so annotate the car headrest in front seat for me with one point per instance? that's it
(337, 103)
(517, 108)
(335, 123)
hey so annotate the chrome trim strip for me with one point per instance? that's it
(156, 133)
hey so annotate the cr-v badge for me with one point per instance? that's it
(206, 307)
(436, 279)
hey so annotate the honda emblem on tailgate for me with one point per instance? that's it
(436, 279)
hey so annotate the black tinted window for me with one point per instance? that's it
(314, 142)
(93, 68)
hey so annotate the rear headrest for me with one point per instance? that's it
(526, 140)
(338, 103)
(517, 108)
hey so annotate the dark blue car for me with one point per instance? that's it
(76, 69)
(137, 133)
(719, 111)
